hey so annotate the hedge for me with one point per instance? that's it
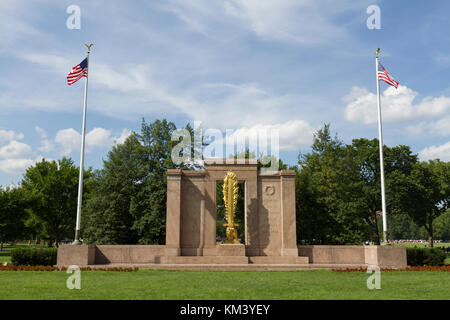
(425, 256)
(34, 257)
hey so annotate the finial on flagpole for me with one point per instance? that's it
(378, 51)
(88, 46)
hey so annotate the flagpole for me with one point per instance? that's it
(83, 134)
(380, 134)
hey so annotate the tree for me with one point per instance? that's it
(149, 203)
(12, 214)
(107, 218)
(441, 226)
(399, 163)
(53, 189)
(429, 193)
(338, 188)
(129, 200)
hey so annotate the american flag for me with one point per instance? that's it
(384, 75)
(78, 72)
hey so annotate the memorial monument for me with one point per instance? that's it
(270, 240)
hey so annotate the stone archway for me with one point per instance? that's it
(269, 209)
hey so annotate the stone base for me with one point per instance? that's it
(278, 260)
(289, 252)
(382, 256)
(80, 255)
(231, 254)
(225, 250)
(207, 260)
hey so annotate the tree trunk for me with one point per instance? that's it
(376, 231)
(430, 229)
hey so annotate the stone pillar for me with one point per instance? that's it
(173, 214)
(251, 214)
(288, 219)
(210, 213)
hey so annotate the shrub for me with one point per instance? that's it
(34, 257)
(425, 256)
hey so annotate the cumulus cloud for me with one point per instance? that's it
(8, 135)
(123, 136)
(441, 152)
(16, 157)
(259, 138)
(70, 139)
(292, 134)
(398, 105)
(41, 132)
(15, 166)
(15, 150)
(46, 146)
(440, 127)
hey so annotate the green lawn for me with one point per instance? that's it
(163, 284)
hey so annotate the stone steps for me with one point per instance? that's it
(230, 267)
(207, 260)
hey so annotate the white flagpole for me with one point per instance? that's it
(380, 134)
(83, 133)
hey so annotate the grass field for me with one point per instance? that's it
(205, 285)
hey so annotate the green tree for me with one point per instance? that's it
(107, 218)
(149, 203)
(429, 193)
(12, 214)
(129, 201)
(53, 189)
(441, 226)
(338, 188)
(324, 190)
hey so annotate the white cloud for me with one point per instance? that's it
(262, 106)
(56, 63)
(70, 139)
(265, 138)
(98, 137)
(292, 134)
(441, 152)
(440, 127)
(397, 105)
(307, 22)
(15, 166)
(8, 135)
(123, 136)
(46, 146)
(41, 132)
(15, 150)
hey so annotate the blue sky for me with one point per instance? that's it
(288, 65)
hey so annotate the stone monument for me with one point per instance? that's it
(269, 227)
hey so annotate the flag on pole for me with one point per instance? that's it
(78, 72)
(384, 75)
(74, 75)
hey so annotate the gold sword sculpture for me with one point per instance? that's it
(230, 198)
